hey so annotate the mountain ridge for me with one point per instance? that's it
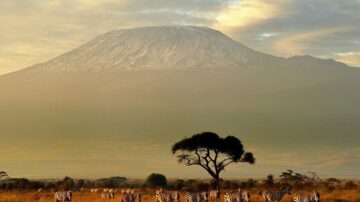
(167, 47)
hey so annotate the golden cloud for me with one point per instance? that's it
(351, 58)
(246, 13)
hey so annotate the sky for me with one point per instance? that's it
(34, 31)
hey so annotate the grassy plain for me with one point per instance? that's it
(33, 196)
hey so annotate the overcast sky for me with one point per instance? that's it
(34, 31)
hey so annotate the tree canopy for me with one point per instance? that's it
(156, 180)
(3, 175)
(211, 152)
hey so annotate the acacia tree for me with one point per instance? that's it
(212, 153)
(3, 175)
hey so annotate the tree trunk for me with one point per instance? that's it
(218, 188)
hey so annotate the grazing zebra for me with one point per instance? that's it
(213, 194)
(167, 196)
(108, 194)
(124, 197)
(129, 197)
(127, 191)
(313, 197)
(238, 196)
(94, 190)
(276, 196)
(63, 196)
(196, 197)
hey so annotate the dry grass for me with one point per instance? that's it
(334, 196)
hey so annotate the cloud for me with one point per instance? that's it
(351, 58)
(244, 13)
(299, 42)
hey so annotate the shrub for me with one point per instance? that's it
(156, 180)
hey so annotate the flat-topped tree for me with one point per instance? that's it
(3, 175)
(211, 152)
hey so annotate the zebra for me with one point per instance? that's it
(167, 196)
(276, 196)
(313, 197)
(238, 196)
(94, 190)
(196, 197)
(63, 196)
(213, 194)
(127, 190)
(108, 194)
(129, 197)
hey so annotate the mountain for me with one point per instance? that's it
(159, 84)
(179, 47)
(157, 48)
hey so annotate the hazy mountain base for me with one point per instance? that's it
(289, 110)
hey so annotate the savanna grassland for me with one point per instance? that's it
(336, 195)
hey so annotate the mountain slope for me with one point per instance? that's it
(159, 84)
(154, 48)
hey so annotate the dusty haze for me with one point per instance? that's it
(114, 106)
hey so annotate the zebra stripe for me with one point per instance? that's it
(213, 194)
(238, 196)
(108, 195)
(63, 196)
(167, 196)
(129, 197)
(313, 197)
(196, 197)
(276, 196)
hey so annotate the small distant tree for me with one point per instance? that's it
(269, 181)
(156, 180)
(290, 176)
(212, 153)
(3, 175)
(68, 183)
(80, 183)
(331, 183)
(350, 185)
(251, 183)
(202, 186)
(179, 184)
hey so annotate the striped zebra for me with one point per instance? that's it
(213, 194)
(94, 190)
(108, 194)
(276, 196)
(130, 197)
(167, 196)
(196, 197)
(63, 196)
(313, 197)
(127, 191)
(238, 196)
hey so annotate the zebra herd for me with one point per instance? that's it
(131, 195)
(277, 196)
